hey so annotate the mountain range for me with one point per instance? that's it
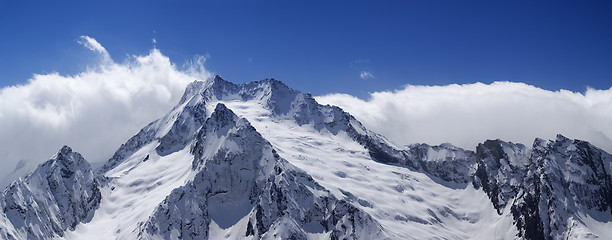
(260, 160)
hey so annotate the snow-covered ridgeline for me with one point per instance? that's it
(245, 190)
(261, 160)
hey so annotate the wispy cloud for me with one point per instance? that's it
(366, 75)
(94, 46)
(466, 115)
(94, 111)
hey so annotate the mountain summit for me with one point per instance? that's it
(260, 160)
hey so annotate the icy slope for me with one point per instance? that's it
(408, 204)
(161, 158)
(276, 102)
(132, 192)
(61, 193)
(299, 124)
(244, 190)
(171, 133)
(143, 172)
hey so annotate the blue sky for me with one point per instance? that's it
(324, 46)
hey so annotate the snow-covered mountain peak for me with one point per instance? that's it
(62, 165)
(583, 170)
(539, 143)
(68, 160)
(214, 87)
(271, 93)
(65, 150)
(561, 138)
(554, 189)
(223, 116)
(61, 193)
(223, 131)
(244, 189)
(191, 90)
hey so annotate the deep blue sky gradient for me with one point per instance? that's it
(322, 46)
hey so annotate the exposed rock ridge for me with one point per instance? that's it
(61, 193)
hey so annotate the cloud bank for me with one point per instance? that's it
(466, 115)
(99, 109)
(93, 112)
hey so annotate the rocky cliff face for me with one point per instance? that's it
(58, 195)
(501, 170)
(548, 186)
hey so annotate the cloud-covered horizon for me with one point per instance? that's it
(468, 114)
(95, 111)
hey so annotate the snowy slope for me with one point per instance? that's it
(299, 125)
(245, 190)
(260, 160)
(408, 204)
(143, 172)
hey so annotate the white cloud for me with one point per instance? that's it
(93, 112)
(466, 115)
(95, 46)
(366, 75)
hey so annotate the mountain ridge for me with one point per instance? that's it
(58, 195)
(555, 189)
